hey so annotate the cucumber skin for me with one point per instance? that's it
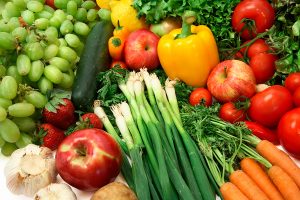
(94, 59)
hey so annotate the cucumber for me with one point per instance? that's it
(94, 59)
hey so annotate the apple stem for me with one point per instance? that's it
(81, 151)
(188, 18)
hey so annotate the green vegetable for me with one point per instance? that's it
(94, 59)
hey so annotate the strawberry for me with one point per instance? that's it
(49, 136)
(59, 111)
(93, 120)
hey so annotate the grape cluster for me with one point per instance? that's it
(39, 49)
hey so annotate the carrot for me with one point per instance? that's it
(284, 183)
(278, 157)
(115, 47)
(247, 185)
(231, 192)
(261, 178)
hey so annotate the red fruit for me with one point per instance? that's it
(292, 82)
(50, 136)
(92, 120)
(200, 96)
(60, 112)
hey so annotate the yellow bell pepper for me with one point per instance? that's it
(188, 53)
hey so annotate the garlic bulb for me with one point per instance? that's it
(56, 191)
(30, 169)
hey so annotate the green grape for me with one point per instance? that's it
(50, 51)
(62, 42)
(67, 53)
(28, 16)
(24, 140)
(36, 98)
(55, 22)
(62, 4)
(35, 6)
(45, 85)
(8, 87)
(2, 142)
(5, 15)
(20, 34)
(25, 124)
(92, 24)
(5, 103)
(81, 28)
(8, 148)
(53, 74)
(104, 14)
(2, 71)
(61, 63)
(23, 109)
(79, 49)
(9, 131)
(35, 51)
(79, 2)
(49, 9)
(3, 114)
(72, 40)
(41, 23)
(31, 37)
(81, 14)
(92, 15)
(12, 10)
(13, 72)
(51, 34)
(4, 26)
(23, 64)
(13, 23)
(7, 41)
(66, 27)
(41, 1)
(19, 4)
(72, 8)
(67, 80)
(88, 4)
(43, 14)
(36, 70)
(60, 14)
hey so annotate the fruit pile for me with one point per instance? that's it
(39, 49)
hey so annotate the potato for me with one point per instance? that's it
(114, 191)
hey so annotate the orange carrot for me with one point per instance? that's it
(261, 178)
(231, 192)
(284, 183)
(278, 157)
(247, 185)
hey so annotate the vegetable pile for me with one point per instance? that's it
(175, 99)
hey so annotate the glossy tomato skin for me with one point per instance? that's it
(200, 95)
(292, 82)
(117, 63)
(289, 132)
(268, 106)
(228, 112)
(263, 66)
(50, 3)
(296, 97)
(260, 11)
(259, 46)
(262, 132)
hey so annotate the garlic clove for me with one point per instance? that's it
(56, 191)
(29, 169)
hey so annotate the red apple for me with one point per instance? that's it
(140, 50)
(231, 80)
(88, 159)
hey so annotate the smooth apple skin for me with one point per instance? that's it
(140, 50)
(100, 166)
(231, 80)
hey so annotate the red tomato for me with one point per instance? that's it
(230, 113)
(259, 11)
(263, 66)
(118, 63)
(200, 96)
(268, 106)
(289, 132)
(296, 97)
(50, 3)
(262, 132)
(259, 46)
(292, 82)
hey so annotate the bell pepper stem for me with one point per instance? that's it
(188, 18)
